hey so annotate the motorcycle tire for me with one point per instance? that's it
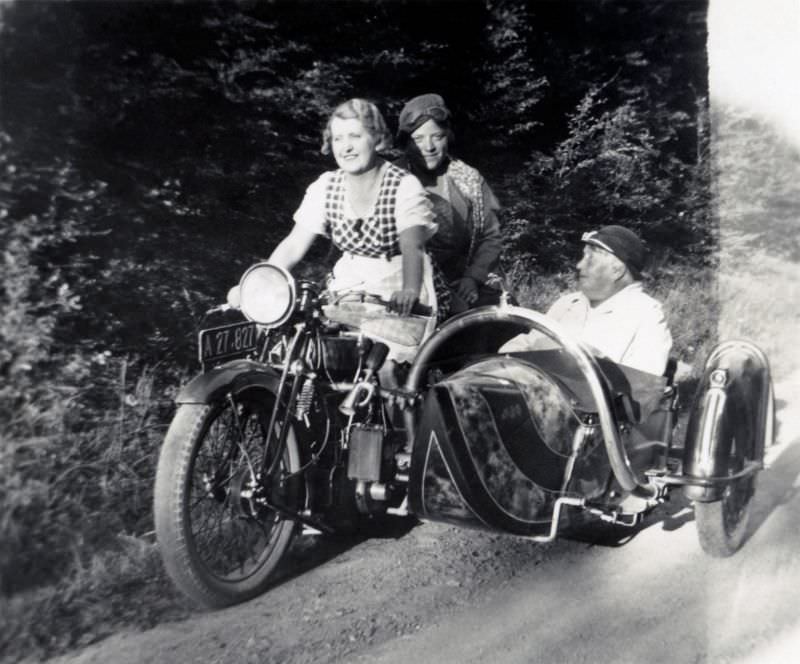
(219, 544)
(722, 524)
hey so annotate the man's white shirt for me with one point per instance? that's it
(629, 328)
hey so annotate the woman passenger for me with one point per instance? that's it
(466, 248)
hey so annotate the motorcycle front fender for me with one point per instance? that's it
(231, 377)
(734, 401)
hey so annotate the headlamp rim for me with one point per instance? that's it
(291, 287)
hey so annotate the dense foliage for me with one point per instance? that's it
(197, 127)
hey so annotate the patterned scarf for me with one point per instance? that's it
(470, 182)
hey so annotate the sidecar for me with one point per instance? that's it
(534, 443)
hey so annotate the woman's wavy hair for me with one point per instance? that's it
(369, 116)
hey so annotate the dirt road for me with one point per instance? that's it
(435, 593)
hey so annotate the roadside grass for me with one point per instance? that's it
(690, 296)
(760, 301)
(539, 291)
(121, 587)
(78, 558)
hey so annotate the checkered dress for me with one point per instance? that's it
(373, 237)
(376, 236)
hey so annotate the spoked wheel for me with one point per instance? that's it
(722, 525)
(219, 538)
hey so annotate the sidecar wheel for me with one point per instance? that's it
(722, 524)
(220, 544)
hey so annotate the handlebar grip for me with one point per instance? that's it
(421, 309)
(359, 296)
(220, 308)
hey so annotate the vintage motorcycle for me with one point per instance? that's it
(289, 429)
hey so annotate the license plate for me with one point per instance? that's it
(227, 341)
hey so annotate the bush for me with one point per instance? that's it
(79, 435)
(78, 429)
(35, 395)
(613, 167)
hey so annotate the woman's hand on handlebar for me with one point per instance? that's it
(402, 301)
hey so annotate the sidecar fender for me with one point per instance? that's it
(231, 377)
(734, 402)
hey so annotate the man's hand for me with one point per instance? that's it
(466, 288)
(401, 301)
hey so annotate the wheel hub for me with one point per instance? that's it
(242, 495)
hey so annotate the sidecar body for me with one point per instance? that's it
(526, 443)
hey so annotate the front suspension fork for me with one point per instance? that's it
(296, 367)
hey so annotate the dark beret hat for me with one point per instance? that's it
(623, 243)
(418, 111)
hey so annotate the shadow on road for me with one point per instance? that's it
(675, 512)
(310, 551)
(776, 486)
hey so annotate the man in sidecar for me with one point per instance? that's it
(625, 327)
(534, 389)
(574, 415)
(610, 312)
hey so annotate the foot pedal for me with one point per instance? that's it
(401, 510)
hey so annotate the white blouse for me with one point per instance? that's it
(412, 207)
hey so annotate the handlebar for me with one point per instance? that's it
(417, 309)
(234, 300)
(220, 308)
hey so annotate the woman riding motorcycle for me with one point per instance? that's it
(378, 215)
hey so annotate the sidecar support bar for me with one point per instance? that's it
(563, 501)
(750, 468)
(620, 463)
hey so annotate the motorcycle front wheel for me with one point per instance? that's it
(218, 538)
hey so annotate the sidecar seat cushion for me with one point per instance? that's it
(645, 390)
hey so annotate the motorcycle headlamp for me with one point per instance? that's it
(267, 294)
